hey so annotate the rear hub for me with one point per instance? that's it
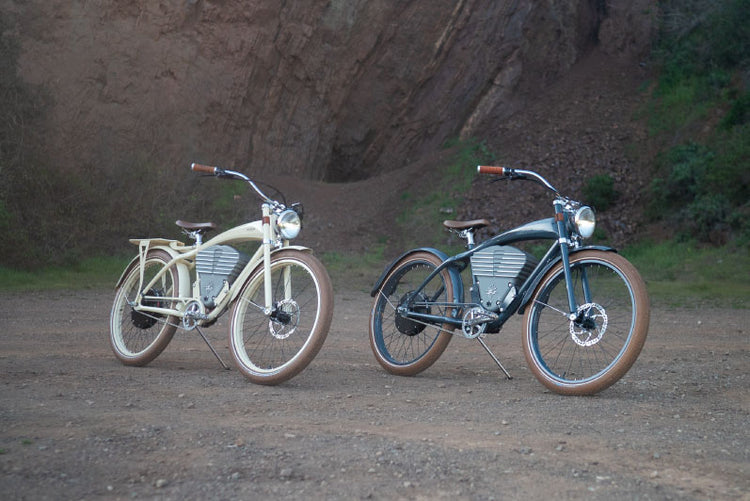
(146, 320)
(406, 325)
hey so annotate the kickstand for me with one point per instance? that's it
(487, 348)
(212, 348)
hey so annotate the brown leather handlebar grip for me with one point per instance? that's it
(487, 169)
(203, 168)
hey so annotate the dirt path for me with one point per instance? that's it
(76, 424)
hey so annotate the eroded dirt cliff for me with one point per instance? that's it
(334, 90)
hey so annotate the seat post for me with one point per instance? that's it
(196, 235)
(465, 229)
(195, 230)
(468, 234)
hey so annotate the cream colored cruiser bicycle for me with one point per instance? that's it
(280, 298)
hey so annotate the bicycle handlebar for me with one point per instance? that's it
(203, 168)
(516, 174)
(487, 169)
(230, 174)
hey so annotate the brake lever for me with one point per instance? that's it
(222, 174)
(502, 178)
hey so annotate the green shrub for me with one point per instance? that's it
(599, 192)
(704, 187)
(739, 113)
(701, 180)
(420, 220)
(685, 166)
(707, 218)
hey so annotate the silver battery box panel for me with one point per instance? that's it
(216, 265)
(498, 271)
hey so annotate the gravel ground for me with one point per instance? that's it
(76, 424)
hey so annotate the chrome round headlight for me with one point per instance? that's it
(289, 224)
(585, 221)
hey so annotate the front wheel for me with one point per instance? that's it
(586, 354)
(271, 349)
(405, 346)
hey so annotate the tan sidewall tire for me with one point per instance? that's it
(442, 340)
(165, 335)
(315, 339)
(635, 345)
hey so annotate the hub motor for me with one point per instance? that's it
(406, 325)
(146, 320)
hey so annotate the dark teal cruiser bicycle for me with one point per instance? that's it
(585, 307)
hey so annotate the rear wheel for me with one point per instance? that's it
(405, 346)
(272, 349)
(585, 355)
(138, 337)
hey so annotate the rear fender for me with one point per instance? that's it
(183, 272)
(454, 270)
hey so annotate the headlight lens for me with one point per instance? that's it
(585, 221)
(289, 224)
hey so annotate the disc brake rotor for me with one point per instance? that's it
(589, 326)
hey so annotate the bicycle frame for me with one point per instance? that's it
(183, 260)
(544, 229)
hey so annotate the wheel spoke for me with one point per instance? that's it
(405, 344)
(270, 349)
(137, 337)
(605, 338)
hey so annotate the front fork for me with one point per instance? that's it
(267, 242)
(269, 306)
(564, 242)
